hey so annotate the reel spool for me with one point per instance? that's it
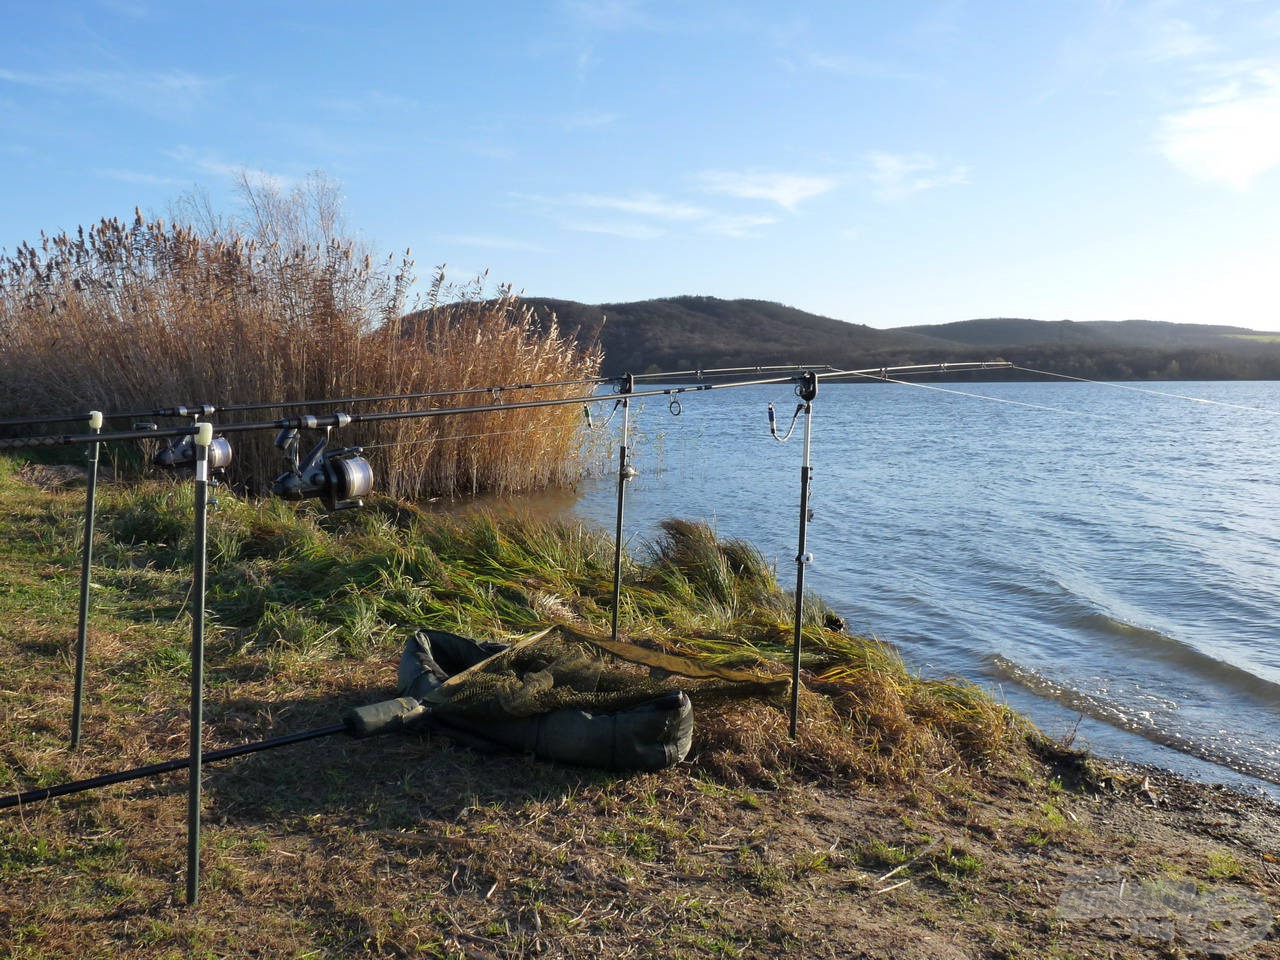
(341, 478)
(180, 455)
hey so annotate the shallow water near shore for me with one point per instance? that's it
(1102, 558)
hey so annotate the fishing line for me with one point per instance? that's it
(591, 424)
(730, 371)
(802, 391)
(208, 410)
(463, 436)
(1154, 393)
(339, 419)
(882, 373)
(979, 396)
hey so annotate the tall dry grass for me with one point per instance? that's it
(279, 307)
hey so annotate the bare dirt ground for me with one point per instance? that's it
(411, 847)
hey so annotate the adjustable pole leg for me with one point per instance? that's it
(808, 390)
(625, 473)
(203, 438)
(82, 627)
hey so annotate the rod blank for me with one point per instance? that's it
(40, 794)
(311, 422)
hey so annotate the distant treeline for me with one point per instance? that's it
(1257, 362)
(679, 333)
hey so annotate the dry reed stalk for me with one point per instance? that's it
(146, 314)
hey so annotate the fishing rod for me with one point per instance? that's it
(207, 410)
(461, 391)
(730, 371)
(341, 419)
(882, 373)
(167, 766)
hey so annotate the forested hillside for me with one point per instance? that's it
(702, 332)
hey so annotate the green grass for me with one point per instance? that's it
(409, 846)
(292, 589)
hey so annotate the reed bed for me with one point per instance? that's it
(146, 314)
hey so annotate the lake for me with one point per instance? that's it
(1101, 558)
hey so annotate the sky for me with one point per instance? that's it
(883, 163)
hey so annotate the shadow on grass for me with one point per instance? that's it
(393, 781)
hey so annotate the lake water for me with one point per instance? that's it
(1102, 558)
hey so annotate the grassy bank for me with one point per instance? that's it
(912, 818)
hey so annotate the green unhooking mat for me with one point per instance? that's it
(560, 695)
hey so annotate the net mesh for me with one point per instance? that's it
(564, 670)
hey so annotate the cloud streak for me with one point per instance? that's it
(214, 165)
(137, 177)
(642, 216)
(606, 15)
(898, 176)
(643, 204)
(490, 241)
(787, 190)
(170, 91)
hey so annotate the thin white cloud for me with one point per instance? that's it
(787, 190)
(138, 177)
(641, 204)
(737, 226)
(627, 231)
(606, 15)
(641, 216)
(1231, 133)
(493, 242)
(1173, 39)
(897, 176)
(214, 165)
(374, 101)
(487, 149)
(174, 90)
(588, 120)
(843, 65)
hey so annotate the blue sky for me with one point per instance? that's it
(887, 164)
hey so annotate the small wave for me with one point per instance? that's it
(1143, 723)
(1084, 612)
(1183, 655)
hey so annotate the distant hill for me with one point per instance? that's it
(689, 332)
(1009, 332)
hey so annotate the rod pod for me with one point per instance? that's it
(86, 561)
(625, 473)
(806, 390)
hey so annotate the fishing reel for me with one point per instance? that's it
(340, 478)
(179, 455)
